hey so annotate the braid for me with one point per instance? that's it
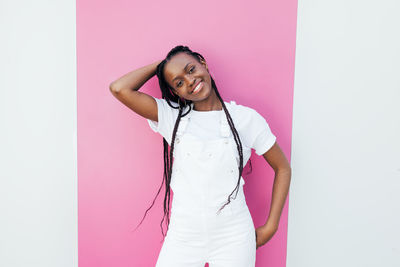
(238, 144)
(169, 96)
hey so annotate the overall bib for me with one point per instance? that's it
(204, 173)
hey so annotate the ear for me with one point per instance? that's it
(204, 63)
(172, 89)
(175, 92)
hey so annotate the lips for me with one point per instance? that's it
(194, 87)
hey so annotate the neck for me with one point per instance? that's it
(210, 103)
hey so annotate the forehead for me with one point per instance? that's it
(175, 66)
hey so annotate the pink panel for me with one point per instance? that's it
(250, 49)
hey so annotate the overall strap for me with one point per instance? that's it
(225, 129)
(184, 121)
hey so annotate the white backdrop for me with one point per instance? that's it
(38, 171)
(344, 197)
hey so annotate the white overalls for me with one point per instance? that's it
(204, 174)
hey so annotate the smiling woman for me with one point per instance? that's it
(184, 74)
(210, 220)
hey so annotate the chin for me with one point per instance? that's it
(203, 95)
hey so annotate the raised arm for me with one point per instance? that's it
(126, 90)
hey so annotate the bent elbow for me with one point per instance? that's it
(113, 88)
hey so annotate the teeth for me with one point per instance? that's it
(197, 87)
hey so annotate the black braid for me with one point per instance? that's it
(181, 104)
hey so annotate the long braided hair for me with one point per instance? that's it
(181, 104)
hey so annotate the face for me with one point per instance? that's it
(184, 73)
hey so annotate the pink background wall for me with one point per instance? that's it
(250, 50)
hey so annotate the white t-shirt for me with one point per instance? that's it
(253, 129)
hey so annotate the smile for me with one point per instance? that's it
(198, 88)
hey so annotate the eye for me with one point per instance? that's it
(190, 71)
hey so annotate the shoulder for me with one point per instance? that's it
(242, 113)
(167, 111)
(247, 119)
(253, 128)
(167, 115)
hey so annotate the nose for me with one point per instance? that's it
(190, 80)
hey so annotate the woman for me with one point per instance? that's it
(210, 141)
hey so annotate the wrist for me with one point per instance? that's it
(271, 225)
(154, 66)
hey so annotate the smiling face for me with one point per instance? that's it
(188, 77)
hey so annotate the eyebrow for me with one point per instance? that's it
(183, 69)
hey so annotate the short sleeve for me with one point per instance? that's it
(167, 116)
(260, 135)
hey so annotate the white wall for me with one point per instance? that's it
(344, 198)
(38, 172)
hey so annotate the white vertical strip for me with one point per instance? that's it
(38, 164)
(344, 198)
